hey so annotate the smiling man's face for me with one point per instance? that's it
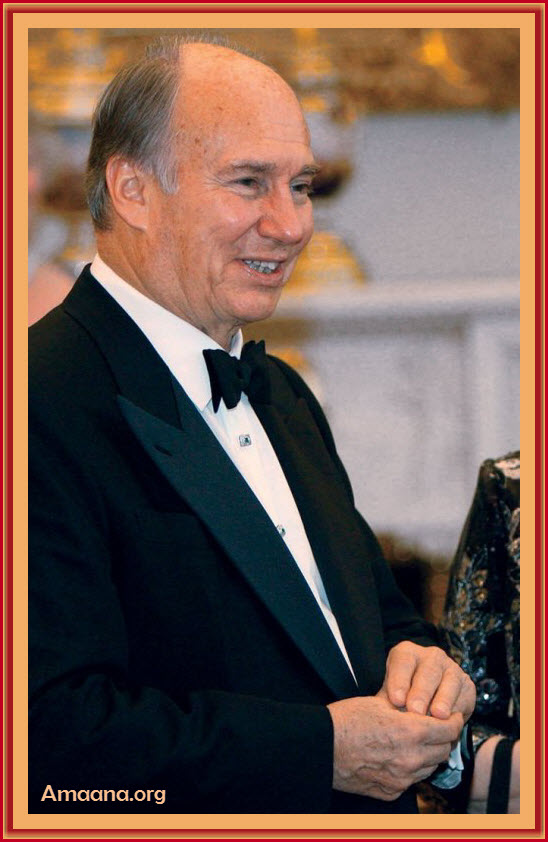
(223, 246)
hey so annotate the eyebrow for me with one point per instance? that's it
(264, 167)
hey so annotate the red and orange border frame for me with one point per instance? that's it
(530, 19)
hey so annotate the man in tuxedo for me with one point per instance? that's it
(209, 615)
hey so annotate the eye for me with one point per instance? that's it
(302, 188)
(248, 182)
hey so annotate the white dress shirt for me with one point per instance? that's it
(238, 430)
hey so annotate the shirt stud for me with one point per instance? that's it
(281, 529)
(245, 440)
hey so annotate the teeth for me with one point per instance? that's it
(265, 266)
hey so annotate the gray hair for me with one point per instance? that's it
(133, 119)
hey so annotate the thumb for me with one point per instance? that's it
(383, 694)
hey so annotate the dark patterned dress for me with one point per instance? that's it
(481, 624)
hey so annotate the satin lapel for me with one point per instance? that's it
(337, 542)
(200, 471)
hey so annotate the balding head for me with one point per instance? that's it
(212, 72)
(140, 111)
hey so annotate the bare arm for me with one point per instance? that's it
(483, 768)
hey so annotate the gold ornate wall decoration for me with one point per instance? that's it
(434, 51)
(68, 69)
(377, 70)
(327, 261)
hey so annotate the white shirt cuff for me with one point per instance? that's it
(449, 775)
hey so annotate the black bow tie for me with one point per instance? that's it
(230, 376)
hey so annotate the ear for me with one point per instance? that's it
(127, 185)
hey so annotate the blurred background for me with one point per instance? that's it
(403, 313)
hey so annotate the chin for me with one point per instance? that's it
(259, 307)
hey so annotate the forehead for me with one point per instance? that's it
(230, 101)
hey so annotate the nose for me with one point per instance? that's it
(283, 220)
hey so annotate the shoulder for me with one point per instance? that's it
(295, 380)
(297, 388)
(70, 385)
(59, 350)
(282, 371)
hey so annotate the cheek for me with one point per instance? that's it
(230, 219)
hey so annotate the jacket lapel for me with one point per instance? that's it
(200, 471)
(176, 438)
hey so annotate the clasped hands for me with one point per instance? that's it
(385, 743)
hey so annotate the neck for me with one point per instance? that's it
(120, 259)
(135, 273)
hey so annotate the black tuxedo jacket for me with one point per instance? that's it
(173, 641)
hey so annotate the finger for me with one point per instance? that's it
(426, 681)
(433, 755)
(466, 701)
(400, 669)
(397, 780)
(383, 694)
(425, 772)
(445, 696)
(384, 793)
(411, 768)
(392, 785)
(442, 731)
(456, 692)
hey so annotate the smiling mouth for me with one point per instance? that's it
(265, 267)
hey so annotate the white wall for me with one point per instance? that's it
(433, 197)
